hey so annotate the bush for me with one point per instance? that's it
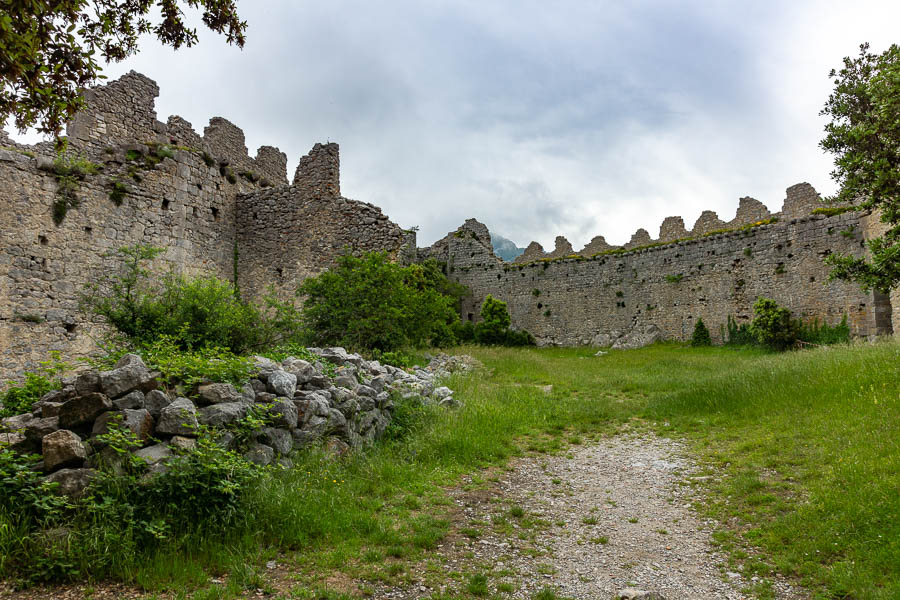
(701, 335)
(518, 338)
(193, 312)
(495, 322)
(369, 303)
(397, 358)
(20, 399)
(494, 329)
(773, 325)
(463, 332)
(738, 335)
(823, 335)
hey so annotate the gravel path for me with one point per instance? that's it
(610, 516)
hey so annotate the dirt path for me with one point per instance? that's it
(587, 524)
(603, 518)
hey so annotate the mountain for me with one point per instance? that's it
(504, 248)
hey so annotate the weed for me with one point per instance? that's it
(117, 192)
(831, 211)
(478, 585)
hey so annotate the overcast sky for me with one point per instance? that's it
(537, 118)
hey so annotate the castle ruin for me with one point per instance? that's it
(217, 210)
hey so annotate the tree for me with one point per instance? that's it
(701, 335)
(495, 322)
(49, 50)
(773, 325)
(370, 303)
(864, 136)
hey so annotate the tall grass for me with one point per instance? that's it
(807, 442)
(811, 441)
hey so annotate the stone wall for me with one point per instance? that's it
(198, 203)
(573, 301)
(287, 234)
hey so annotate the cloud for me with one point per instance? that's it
(540, 119)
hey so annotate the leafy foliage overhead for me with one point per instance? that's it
(48, 50)
(864, 136)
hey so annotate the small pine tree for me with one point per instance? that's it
(701, 335)
(773, 325)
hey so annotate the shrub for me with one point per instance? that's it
(773, 325)
(494, 324)
(193, 367)
(194, 312)
(701, 335)
(738, 335)
(814, 333)
(369, 303)
(202, 487)
(518, 338)
(409, 415)
(20, 399)
(494, 329)
(397, 358)
(464, 332)
(23, 490)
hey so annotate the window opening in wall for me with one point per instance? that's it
(471, 317)
(70, 327)
(43, 240)
(215, 213)
(89, 230)
(280, 272)
(165, 205)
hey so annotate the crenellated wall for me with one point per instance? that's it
(288, 233)
(202, 203)
(603, 292)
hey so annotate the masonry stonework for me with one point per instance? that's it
(217, 210)
(601, 294)
(202, 198)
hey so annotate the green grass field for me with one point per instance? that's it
(805, 445)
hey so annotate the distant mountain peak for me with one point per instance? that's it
(505, 248)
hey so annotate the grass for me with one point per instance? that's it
(805, 447)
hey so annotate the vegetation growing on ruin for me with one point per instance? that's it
(69, 170)
(832, 211)
(198, 312)
(18, 399)
(117, 192)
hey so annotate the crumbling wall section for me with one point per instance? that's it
(581, 300)
(287, 234)
(164, 185)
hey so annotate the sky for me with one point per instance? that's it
(536, 118)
